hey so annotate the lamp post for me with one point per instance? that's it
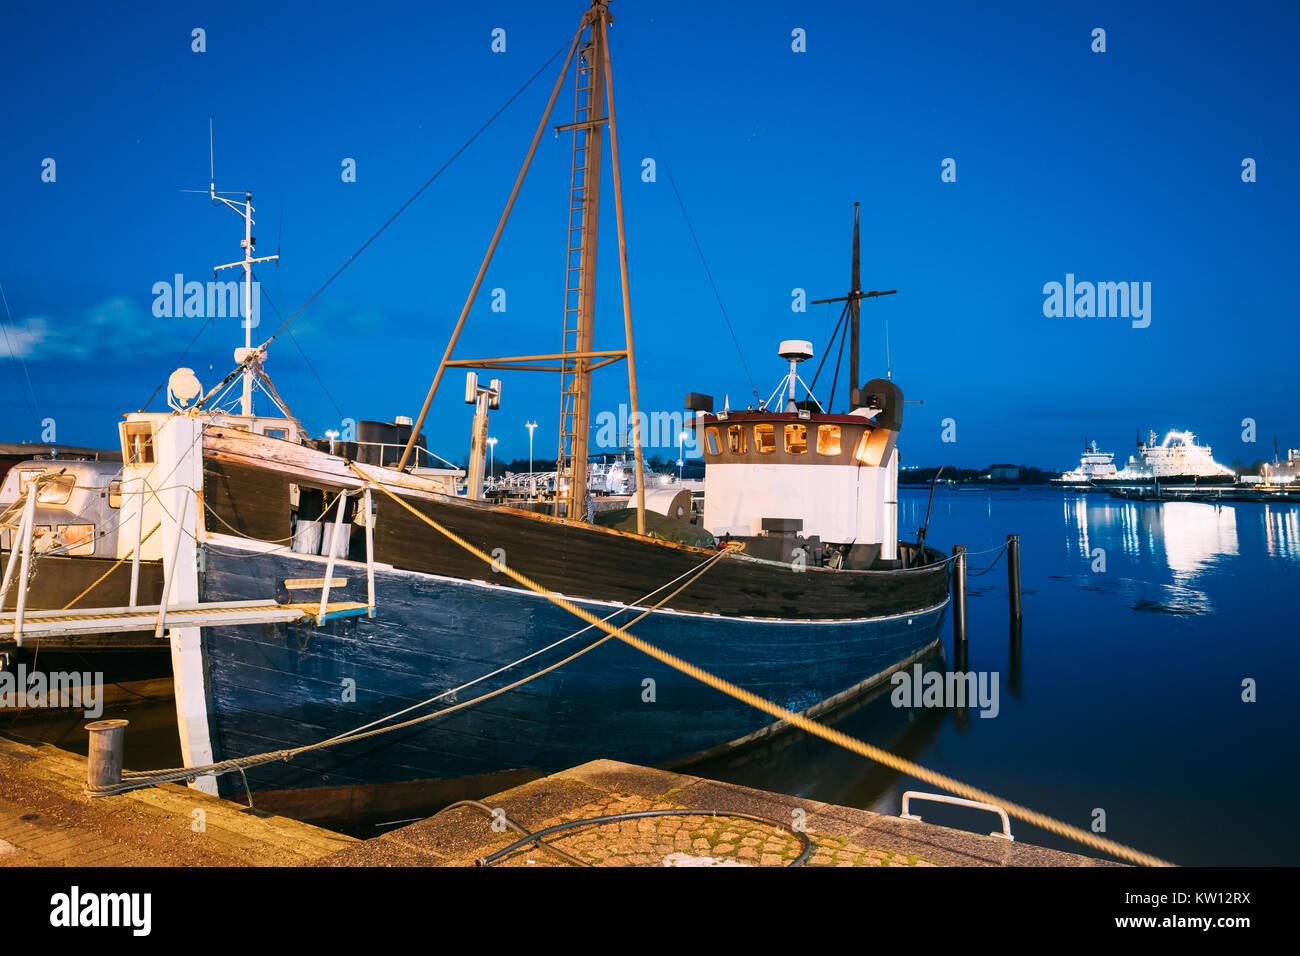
(532, 482)
(332, 434)
(492, 461)
(681, 458)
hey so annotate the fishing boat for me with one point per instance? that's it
(425, 656)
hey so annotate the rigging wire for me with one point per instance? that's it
(29, 395)
(696, 239)
(391, 219)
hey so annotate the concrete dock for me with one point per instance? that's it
(842, 836)
(47, 820)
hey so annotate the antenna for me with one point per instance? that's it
(212, 175)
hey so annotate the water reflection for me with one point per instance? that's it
(1188, 539)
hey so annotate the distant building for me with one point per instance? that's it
(1004, 472)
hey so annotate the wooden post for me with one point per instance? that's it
(1013, 574)
(104, 754)
(959, 594)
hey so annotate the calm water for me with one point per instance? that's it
(1127, 692)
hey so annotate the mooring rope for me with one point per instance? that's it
(136, 779)
(900, 764)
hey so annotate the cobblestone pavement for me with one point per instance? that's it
(648, 841)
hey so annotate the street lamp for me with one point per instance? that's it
(532, 482)
(492, 459)
(331, 434)
(680, 457)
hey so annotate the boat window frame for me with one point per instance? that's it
(824, 429)
(56, 490)
(85, 544)
(765, 429)
(736, 440)
(712, 440)
(792, 448)
(135, 451)
(115, 493)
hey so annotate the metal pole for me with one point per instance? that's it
(1013, 574)
(16, 546)
(959, 594)
(340, 503)
(370, 554)
(139, 539)
(169, 571)
(29, 518)
(622, 267)
(496, 237)
(104, 753)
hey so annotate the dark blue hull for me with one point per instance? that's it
(276, 686)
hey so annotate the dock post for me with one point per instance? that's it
(104, 754)
(959, 594)
(1013, 574)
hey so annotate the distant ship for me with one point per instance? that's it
(1094, 464)
(1177, 460)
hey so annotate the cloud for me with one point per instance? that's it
(114, 329)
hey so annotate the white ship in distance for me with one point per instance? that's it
(1093, 464)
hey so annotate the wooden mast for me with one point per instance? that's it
(578, 358)
(580, 267)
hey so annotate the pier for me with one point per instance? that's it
(46, 819)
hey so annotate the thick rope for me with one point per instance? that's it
(1032, 817)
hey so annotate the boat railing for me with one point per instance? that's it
(385, 457)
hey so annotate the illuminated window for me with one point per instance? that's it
(711, 439)
(115, 494)
(77, 538)
(796, 439)
(138, 439)
(765, 439)
(56, 490)
(736, 439)
(828, 439)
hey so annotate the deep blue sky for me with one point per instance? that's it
(1122, 166)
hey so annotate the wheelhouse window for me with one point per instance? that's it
(281, 433)
(712, 441)
(736, 439)
(77, 538)
(796, 439)
(56, 490)
(828, 439)
(765, 439)
(137, 438)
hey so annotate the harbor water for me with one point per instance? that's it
(1142, 620)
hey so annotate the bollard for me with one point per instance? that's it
(1013, 574)
(104, 755)
(959, 594)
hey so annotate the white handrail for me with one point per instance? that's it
(340, 503)
(960, 802)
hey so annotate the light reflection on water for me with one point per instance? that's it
(1142, 619)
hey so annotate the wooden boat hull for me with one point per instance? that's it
(275, 686)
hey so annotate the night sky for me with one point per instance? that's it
(1117, 166)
